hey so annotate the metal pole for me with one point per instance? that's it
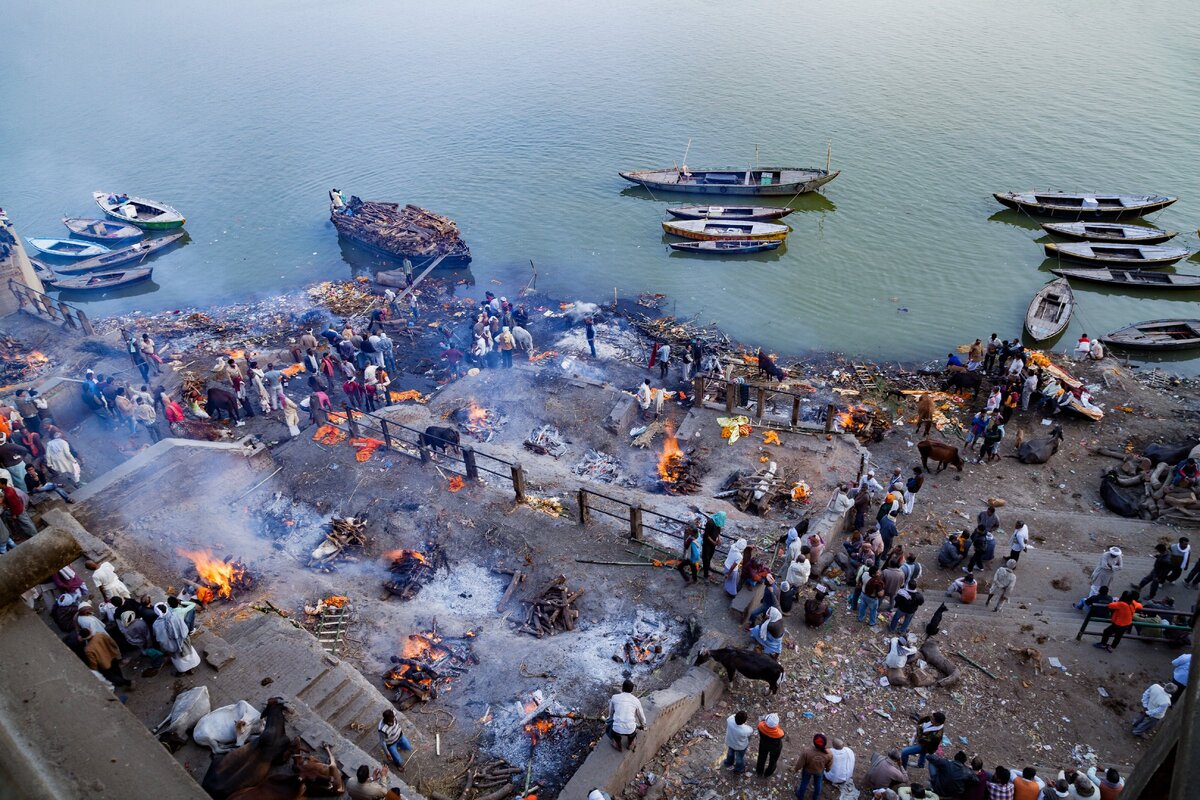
(795, 411)
(387, 436)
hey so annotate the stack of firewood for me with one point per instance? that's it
(411, 570)
(406, 230)
(346, 537)
(552, 610)
(490, 781)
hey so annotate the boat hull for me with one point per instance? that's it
(135, 253)
(1050, 312)
(1071, 254)
(1099, 214)
(67, 248)
(1132, 278)
(671, 181)
(705, 231)
(1153, 335)
(747, 213)
(103, 281)
(114, 231)
(167, 219)
(739, 246)
(1133, 234)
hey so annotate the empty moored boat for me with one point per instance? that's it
(1117, 256)
(748, 213)
(100, 281)
(1084, 205)
(725, 229)
(133, 253)
(1050, 310)
(148, 214)
(66, 248)
(727, 246)
(1157, 334)
(1108, 232)
(763, 181)
(102, 229)
(1132, 278)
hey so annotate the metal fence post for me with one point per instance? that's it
(635, 523)
(583, 506)
(387, 435)
(518, 481)
(468, 456)
(351, 423)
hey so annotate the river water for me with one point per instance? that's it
(514, 118)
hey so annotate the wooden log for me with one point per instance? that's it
(499, 794)
(517, 577)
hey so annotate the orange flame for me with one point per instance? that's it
(670, 461)
(538, 728)
(37, 358)
(220, 576)
(236, 354)
(402, 555)
(476, 415)
(456, 483)
(852, 419)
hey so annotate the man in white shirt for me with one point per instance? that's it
(625, 717)
(737, 741)
(1019, 542)
(843, 763)
(1155, 702)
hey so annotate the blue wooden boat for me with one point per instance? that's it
(727, 246)
(134, 254)
(66, 248)
(102, 229)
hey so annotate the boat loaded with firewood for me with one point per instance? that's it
(1050, 310)
(1117, 256)
(1131, 278)
(135, 254)
(149, 214)
(748, 213)
(66, 248)
(399, 231)
(1108, 232)
(761, 181)
(1157, 334)
(101, 229)
(725, 229)
(1084, 205)
(726, 246)
(102, 281)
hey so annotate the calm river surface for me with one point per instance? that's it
(514, 117)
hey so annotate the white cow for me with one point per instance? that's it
(228, 727)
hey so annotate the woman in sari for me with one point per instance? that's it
(733, 567)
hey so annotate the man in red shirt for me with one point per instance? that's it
(15, 515)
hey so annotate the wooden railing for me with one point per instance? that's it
(43, 306)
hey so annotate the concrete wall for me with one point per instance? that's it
(667, 710)
(15, 265)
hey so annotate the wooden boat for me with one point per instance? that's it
(1157, 334)
(1117, 256)
(102, 229)
(149, 214)
(100, 281)
(763, 181)
(1084, 205)
(117, 258)
(706, 229)
(66, 248)
(1108, 232)
(399, 231)
(44, 271)
(749, 213)
(727, 246)
(1132, 278)
(1050, 310)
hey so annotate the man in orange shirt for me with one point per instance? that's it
(1122, 620)
(1026, 786)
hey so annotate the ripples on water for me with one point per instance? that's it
(514, 119)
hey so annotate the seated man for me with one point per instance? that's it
(816, 609)
(964, 588)
(950, 555)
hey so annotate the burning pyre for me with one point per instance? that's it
(646, 645)
(412, 569)
(17, 366)
(427, 664)
(675, 470)
(477, 421)
(866, 423)
(218, 579)
(346, 537)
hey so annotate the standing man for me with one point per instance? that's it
(625, 717)
(1159, 571)
(274, 381)
(1027, 390)
(664, 360)
(590, 329)
(14, 512)
(1180, 553)
(990, 352)
(102, 654)
(1155, 702)
(506, 343)
(1019, 542)
(911, 488)
(1106, 568)
(812, 764)
(711, 540)
(927, 740)
(770, 745)
(1002, 583)
(737, 742)
(28, 411)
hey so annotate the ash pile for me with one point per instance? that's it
(649, 645)
(541, 733)
(345, 540)
(402, 231)
(604, 468)
(546, 441)
(480, 423)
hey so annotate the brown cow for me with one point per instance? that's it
(940, 452)
(249, 765)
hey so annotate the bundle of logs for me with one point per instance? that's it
(345, 539)
(552, 610)
(411, 570)
(490, 781)
(429, 661)
(754, 491)
(400, 230)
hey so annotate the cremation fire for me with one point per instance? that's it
(428, 663)
(218, 578)
(411, 570)
(481, 423)
(675, 468)
(865, 423)
(16, 366)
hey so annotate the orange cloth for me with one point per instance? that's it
(1122, 613)
(969, 591)
(1025, 790)
(774, 733)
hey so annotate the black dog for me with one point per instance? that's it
(935, 622)
(439, 438)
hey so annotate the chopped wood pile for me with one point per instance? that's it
(546, 441)
(755, 491)
(428, 662)
(344, 541)
(552, 610)
(402, 231)
(490, 781)
(411, 570)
